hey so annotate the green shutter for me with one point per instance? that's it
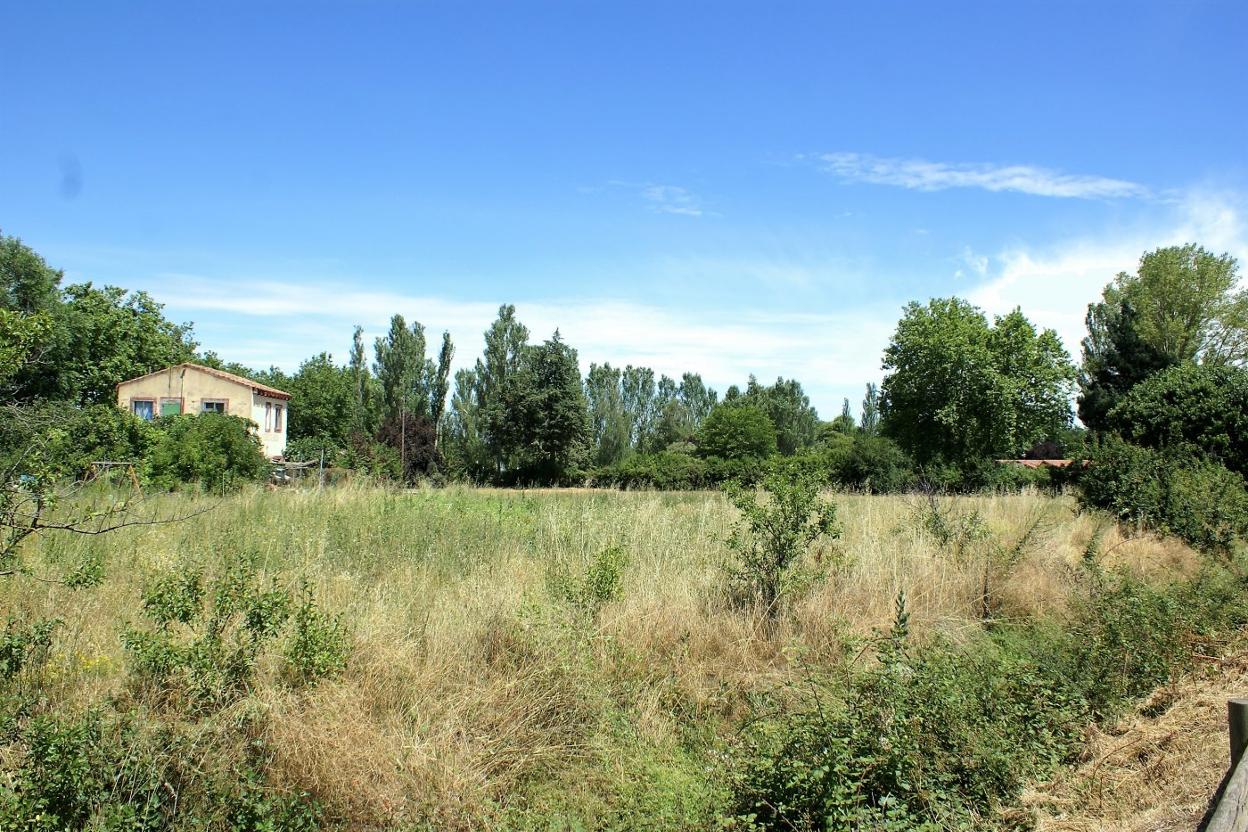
(168, 408)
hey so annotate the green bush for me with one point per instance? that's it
(940, 736)
(597, 586)
(875, 464)
(1197, 406)
(772, 534)
(68, 438)
(666, 471)
(1175, 491)
(212, 450)
(319, 644)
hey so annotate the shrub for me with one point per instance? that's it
(70, 438)
(597, 586)
(1204, 407)
(939, 735)
(773, 533)
(1172, 491)
(209, 449)
(211, 657)
(666, 470)
(875, 464)
(318, 645)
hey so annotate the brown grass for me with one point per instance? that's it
(1157, 769)
(470, 687)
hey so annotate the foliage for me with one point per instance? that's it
(597, 586)
(1190, 305)
(1173, 491)
(788, 407)
(871, 410)
(773, 533)
(1115, 358)
(413, 439)
(21, 339)
(666, 470)
(319, 643)
(940, 736)
(322, 402)
(24, 645)
(959, 390)
(874, 464)
(101, 337)
(28, 285)
(737, 431)
(213, 450)
(68, 439)
(1202, 407)
(610, 425)
(540, 416)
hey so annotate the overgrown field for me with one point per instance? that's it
(464, 659)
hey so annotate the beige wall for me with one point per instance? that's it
(192, 387)
(274, 441)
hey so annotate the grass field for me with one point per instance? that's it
(482, 691)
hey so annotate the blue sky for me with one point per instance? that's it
(719, 187)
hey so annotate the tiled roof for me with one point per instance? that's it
(212, 371)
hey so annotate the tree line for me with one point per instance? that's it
(960, 389)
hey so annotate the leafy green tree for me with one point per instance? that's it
(845, 422)
(505, 343)
(641, 405)
(737, 431)
(1199, 410)
(364, 412)
(102, 337)
(439, 382)
(541, 416)
(467, 453)
(788, 407)
(1115, 358)
(27, 284)
(959, 390)
(322, 401)
(610, 425)
(401, 369)
(22, 338)
(1189, 305)
(871, 410)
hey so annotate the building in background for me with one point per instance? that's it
(193, 388)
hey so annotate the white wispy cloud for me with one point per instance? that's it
(270, 322)
(672, 199)
(665, 199)
(924, 175)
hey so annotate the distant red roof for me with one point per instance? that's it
(1038, 463)
(212, 371)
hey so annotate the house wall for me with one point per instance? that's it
(274, 441)
(193, 387)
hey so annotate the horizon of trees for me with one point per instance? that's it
(958, 390)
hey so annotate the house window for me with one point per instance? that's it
(213, 406)
(144, 408)
(170, 407)
(268, 416)
(277, 418)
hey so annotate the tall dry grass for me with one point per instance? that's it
(475, 699)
